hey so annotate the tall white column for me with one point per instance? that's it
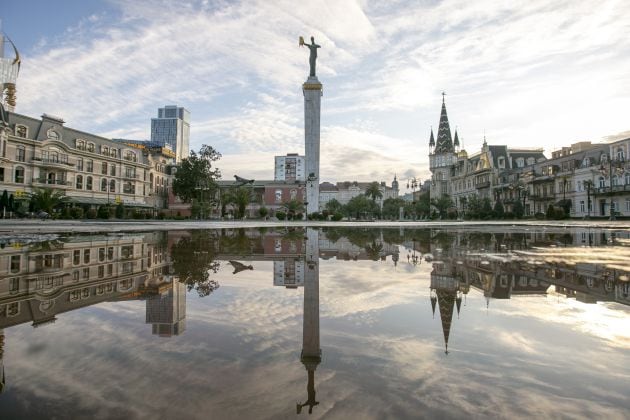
(312, 90)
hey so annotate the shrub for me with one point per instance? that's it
(65, 213)
(539, 215)
(263, 212)
(137, 214)
(120, 211)
(337, 217)
(558, 213)
(162, 215)
(299, 216)
(76, 212)
(103, 212)
(313, 216)
(551, 212)
(281, 215)
(91, 214)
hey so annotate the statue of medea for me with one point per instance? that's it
(313, 55)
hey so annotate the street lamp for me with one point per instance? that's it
(618, 165)
(413, 184)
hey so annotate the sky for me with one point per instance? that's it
(523, 73)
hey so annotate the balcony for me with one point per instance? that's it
(480, 185)
(130, 176)
(52, 162)
(52, 181)
(616, 189)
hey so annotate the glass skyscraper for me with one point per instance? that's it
(172, 127)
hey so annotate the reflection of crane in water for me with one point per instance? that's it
(238, 266)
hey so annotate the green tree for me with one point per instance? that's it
(120, 211)
(4, 202)
(360, 206)
(486, 208)
(473, 207)
(263, 212)
(195, 177)
(442, 204)
(334, 206)
(240, 197)
(518, 209)
(293, 208)
(499, 210)
(192, 266)
(391, 207)
(374, 191)
(48, 199)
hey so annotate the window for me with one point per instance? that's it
(88, 183)
(627, 204)
(80, 144)
(113, 170)
(278, 196)
(1, 174)
(129, 188)
(615, 181)
(531, 161)
(620, 154)
(14, 286)
(582, 206)
(604, 158)
(90, 165)
(130, 156)
(113, 152)
(21, 131)
(104, 168)
(110, 253)
(101, 271)
(90, 147)
(19, 175)
(76, 257)
(79, 184)
(110, 269)
(627, 178)
(126, 251)
(520, 162)
(579, 186)
(602, 182)
(79, 164)
(20, 154)
(501, 162)
(75, 275)
(15, 263)
(103, 184)
(101, 254)
(112, 185)
(86, 273)
(105, 150)
(86, 256)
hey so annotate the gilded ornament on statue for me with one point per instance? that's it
(301, 41)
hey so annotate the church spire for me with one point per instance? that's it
(456, 139)
(444, 142)
(431, 139)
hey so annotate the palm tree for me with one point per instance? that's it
(47, 199)
(241, 197)
(293, 207)
(373, 190)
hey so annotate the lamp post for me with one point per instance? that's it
(618, 165)
(413, 184)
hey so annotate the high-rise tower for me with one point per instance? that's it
(172, 127)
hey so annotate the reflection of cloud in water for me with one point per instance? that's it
(239, 357)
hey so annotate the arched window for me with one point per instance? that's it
(19, 175)
(602, 182)
(112, 185)
(89, 165)
(79, 184)
(88, 183)
(105, 150)
(112, 152)
(104, 168)
(51, 178)
(103, 184)
(54, 157)
(80, 144)
(90, 147)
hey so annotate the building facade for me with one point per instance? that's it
(172, 127)
(91, 170)
(290, 168)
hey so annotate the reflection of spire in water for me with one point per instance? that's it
(446, 303)
(433, 303)
(311, 353)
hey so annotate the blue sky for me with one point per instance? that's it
(528, 74)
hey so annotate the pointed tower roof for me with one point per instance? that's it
(444, 142)
(431, 139)
(456, 140)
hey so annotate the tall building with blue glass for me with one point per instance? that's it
(172, 127)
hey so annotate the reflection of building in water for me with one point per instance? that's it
(40, 280)
(166, 309)
(288, 273)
